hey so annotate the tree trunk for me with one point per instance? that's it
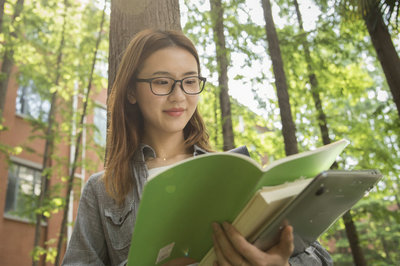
(78, 145)
(128, 17)
(351, 232)
(6, 66)
(386, 248)
(321, 117)
(385, 51)
(217, 14)
(216, 128)
(8, 57)
(288, 126)
(2, 2)
(48, 149)
(352, 236)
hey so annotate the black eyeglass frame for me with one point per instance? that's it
(203, 79)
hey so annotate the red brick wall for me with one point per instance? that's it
(17, 237)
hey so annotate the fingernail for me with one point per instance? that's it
(215, 226)
(225, 225)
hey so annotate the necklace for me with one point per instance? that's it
(174, 156)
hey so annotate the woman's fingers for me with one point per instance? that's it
(224, 250)
(232, 248)
(286, 244)
(221, 261)
(251, 254)
(281, 252)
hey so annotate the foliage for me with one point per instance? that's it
(49, 253)
(35, 54)
(354, 95)
(353, 89)
(351, 10)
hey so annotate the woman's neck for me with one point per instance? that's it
(169, 149)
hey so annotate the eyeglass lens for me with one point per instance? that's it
(190, 85)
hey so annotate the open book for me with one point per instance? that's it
(179, 204)
(310, 205)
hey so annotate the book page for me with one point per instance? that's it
(262, 207)
(180, 204)
(307, 164)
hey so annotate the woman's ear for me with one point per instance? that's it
(131, 97)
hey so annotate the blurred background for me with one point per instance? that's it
(283, 77)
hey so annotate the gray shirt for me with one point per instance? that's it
(103, 229)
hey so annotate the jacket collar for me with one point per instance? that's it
(145, 151)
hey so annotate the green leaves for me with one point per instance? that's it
(354, 95)
(351, 85)
(35, 41)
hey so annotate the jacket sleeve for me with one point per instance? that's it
(315, 254)
(87, 245)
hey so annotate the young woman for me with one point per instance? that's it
(155, 123)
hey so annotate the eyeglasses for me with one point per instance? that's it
(162, 86)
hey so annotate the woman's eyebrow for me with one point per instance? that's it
(157, 73)
(190, 73)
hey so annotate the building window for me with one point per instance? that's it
(31, 104)
(100, 123)
(23, 190)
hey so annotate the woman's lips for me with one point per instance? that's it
(174, 111)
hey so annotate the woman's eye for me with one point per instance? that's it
(161, 81)
(190, 81)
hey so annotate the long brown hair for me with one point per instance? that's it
(125, 131)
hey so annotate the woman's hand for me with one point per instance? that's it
(231, 248)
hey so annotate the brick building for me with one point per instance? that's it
(20, 174)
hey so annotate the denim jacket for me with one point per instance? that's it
(103, 230)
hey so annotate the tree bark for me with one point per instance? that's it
(6, 66)
(288, 126)
(217, 14)
(216, 128)
(48, 149)
(351, 231)
(2, 2)
(128, 17)
(352, 236)
(385, 51)
(8, 57)
(78, 146)
(321, 117)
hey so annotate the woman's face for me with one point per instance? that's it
(170, 113)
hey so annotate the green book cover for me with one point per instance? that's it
(179, 204)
